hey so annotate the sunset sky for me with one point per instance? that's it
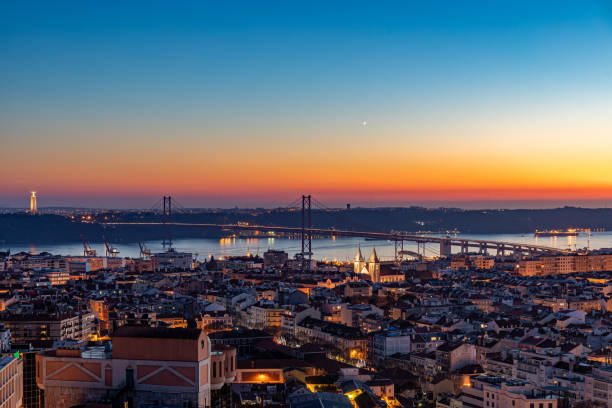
(467, 103)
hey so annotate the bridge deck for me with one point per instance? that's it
(365, 234)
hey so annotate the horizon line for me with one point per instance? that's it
(438, 207)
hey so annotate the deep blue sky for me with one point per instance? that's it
(223, 103)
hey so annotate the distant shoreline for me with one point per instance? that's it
(25, 229)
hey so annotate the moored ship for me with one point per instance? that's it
(570, 232)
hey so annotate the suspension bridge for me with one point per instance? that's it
(306, 232)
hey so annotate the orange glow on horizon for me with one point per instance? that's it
(375, 167)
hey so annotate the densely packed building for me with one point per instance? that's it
(465, 331)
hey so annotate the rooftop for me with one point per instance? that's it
(157, 332)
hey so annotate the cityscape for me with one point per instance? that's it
(306, 205)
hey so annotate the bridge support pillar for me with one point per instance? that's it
(399, 249)
(465, 247)
(167, 220)
(517, 251)
(501, 250)
(306, 233)
(445, 248)
(482, 249)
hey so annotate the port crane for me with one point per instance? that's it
(109, 250)
(145, 253)
(87, 251)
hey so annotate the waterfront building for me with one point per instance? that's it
(172, 259)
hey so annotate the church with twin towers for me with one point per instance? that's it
(370, 268)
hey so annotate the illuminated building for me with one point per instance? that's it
(94, 263)
(482, 262)
(264, 316)
(359, 262)
(172, 320)
(215, 321)
(499, 392)
(349, 341)
(384, 389)
(100, 309)
(564, 264)
(271, 371)
(57, 277)
(372, 269)
(322, 383)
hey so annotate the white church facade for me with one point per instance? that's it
(376, 271)
(371, 268)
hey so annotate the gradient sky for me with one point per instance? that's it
(225, 103)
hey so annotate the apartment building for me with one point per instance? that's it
(264, 316)
(388, 343)
(598, 386)
(27, 328)
(451, 357)
(564, 264)
(215, 321)
(486, 391)
(11, 382)
(349, 341)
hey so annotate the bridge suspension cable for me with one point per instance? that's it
(294, 204)
(319, 205)
(307, 202)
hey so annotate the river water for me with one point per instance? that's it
(340, 249)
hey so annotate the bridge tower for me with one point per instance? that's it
(445, 247)
(166, 219)
(399, 250)
(306, 232)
